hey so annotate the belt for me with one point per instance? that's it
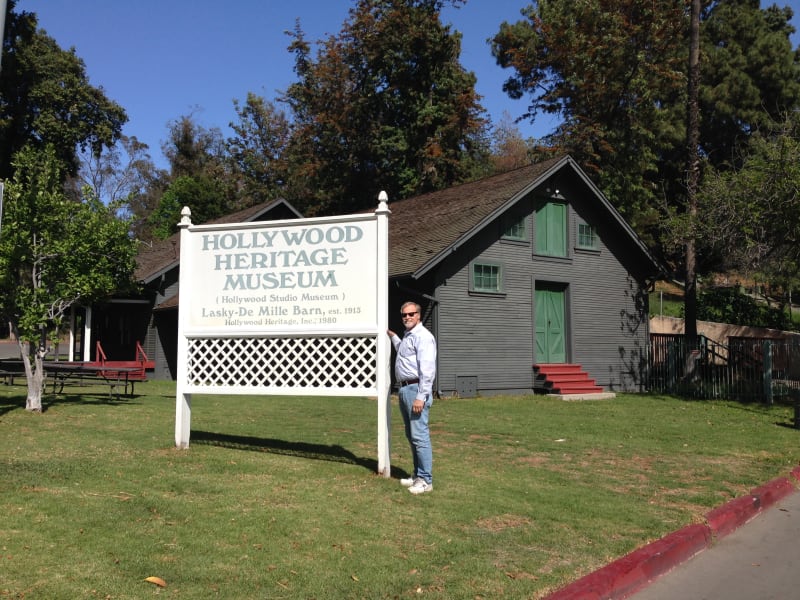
(405, 382)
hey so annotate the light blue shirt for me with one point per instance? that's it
(416, 359)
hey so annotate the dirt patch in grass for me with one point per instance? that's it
(499, 523)
(534, 460)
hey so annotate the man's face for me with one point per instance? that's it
(410, 316)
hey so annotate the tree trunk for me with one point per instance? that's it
(692, 177)
(34, 374)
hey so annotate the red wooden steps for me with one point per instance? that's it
(563, 378)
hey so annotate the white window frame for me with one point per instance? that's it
(592, 236)
(509, 224)
(500, 289)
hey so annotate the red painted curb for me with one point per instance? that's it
(730, 516)
(726, 518)
(796, 473)
(770, 493)
(633, 571)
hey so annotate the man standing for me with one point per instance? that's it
(415, 370)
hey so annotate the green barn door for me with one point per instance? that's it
(550, 326)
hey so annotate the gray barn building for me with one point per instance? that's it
(519, 275)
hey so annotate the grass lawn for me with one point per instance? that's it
(278, 497)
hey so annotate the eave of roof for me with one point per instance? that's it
(169, 304)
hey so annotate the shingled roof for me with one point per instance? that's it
(425, 229)
(163, 255)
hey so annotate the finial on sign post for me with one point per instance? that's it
(383, 200)
(186, 217)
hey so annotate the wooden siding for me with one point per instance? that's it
(163, 357)
(492, 336)
(609, 311)
(485, 335)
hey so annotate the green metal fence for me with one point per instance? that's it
(746, 369)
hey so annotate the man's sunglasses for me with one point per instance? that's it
(411, 314)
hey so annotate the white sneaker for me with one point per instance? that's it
(420, 486)
(407, 482)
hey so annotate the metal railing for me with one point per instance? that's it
(745, 369)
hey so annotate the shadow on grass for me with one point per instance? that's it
(17, 402)
(332, 453)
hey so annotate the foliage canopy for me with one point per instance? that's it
(54, 253)
(752, 213)
(46, 98)
(385, 104)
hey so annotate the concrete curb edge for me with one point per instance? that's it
(630, 573)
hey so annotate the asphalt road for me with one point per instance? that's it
(9, 349)
(760, 560)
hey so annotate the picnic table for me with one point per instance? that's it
(115, 377)
(9, 369)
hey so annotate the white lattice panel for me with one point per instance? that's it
(279, 362)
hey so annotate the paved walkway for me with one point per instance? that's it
(757, 561)
(747, 548)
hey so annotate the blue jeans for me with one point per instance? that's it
(417, 432)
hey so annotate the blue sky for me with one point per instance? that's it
(162, 59)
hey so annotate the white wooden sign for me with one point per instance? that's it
(293, 307)
(285, 277)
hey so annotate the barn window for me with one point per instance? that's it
(487, 277)
(515, 230)
(587, 237)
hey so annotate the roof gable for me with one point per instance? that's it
(425, 229)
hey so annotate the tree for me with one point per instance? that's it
(46, 98)
(751, 75)
(509, 149)
(54, 253)
(201, 194)
(616, 72)
(692, 175)
(116, 173)
(751, 214)
(193, 150)
(384, 105)
(612, 71)
(198, 178)
(123, 176)
(257, 150)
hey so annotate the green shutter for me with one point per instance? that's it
(551, 229)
